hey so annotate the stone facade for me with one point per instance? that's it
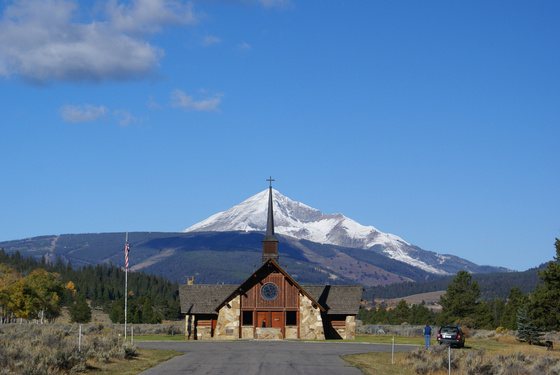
(350, 328)
(269, 334)
(291, 332)
(311, 323)
(247, 332)
(227, 327)
(189, 327)
(204, 332)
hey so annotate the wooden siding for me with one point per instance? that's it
(287, 295)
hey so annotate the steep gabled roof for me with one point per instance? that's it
(264, 269)
(337, 299)
(203, 299)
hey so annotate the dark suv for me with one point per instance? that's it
(452, 335)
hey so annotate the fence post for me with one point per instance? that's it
(80, 340)
(132, 335)
(393, 352)
(449, 361)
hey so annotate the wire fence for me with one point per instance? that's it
(388, 329)
(176, 328)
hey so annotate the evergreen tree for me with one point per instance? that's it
(514, 302)
(401, 314)
(147, 311)
(545, 300)
(422, 315)
(80, 312)
(381, 316)
(484, 318)
(117, 311)
(460, 300)
(526, 330)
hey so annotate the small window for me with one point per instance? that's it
(291, 318)
(247, 318)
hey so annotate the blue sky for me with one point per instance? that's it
(436, 121)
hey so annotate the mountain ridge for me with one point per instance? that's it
(297, 220)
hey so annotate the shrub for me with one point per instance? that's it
(501, 330)
(47, 349)
(480, 365)
(465, 323)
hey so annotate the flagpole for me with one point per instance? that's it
(125, 283)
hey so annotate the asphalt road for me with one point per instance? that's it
(262, 357)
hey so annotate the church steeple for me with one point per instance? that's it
(270, 242)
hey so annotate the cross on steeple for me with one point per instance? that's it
(270, 180)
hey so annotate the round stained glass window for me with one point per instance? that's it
(269, 291)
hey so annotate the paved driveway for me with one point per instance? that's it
(262, 357)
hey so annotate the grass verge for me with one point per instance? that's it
(403, 340)
(379, 363)
(147, 358)
(159, 338)
(501, 354)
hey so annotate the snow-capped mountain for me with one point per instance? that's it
(297, 220)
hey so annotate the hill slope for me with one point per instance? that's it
(221, 257)
(301, 222)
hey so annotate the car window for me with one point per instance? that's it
(452, 330)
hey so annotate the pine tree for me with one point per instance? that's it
(401, 313)
(545, 301)
(80, 312)
(460, 300)
(526, 330)
(515, 300)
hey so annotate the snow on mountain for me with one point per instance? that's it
(297, 220)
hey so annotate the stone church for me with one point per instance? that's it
(270, 304)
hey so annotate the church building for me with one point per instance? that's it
(270, 304)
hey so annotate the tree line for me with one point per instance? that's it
(492, 285)
(33, 289)
(462, 304)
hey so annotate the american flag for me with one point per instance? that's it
(126, 250)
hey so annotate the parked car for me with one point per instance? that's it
(452, 335)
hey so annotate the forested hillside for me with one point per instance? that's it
(151, 298)
(492, 285)
(226, 257)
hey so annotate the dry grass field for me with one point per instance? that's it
(500, 355)
(33, 349)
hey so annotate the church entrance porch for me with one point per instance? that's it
(270, 325)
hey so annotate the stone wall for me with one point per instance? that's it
(227, 327)
(247, 332)
(190, 327)
(204, 332)
(311, 323)
(350, 328)
(291, 332)
(269, 334)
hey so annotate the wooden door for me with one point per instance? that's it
(262, 317)
(278, 319)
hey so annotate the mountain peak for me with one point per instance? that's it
(300, 221)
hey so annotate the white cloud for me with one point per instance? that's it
(244, 46)
(82, 113)
(123, 117)
(44, 41)
(181, 100)
(274, 3)
(149, 15)
(210, 40)
(152, 104)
